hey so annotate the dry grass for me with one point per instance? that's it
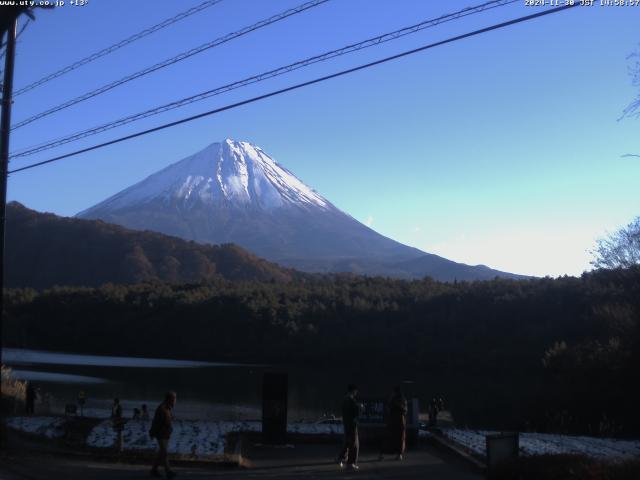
(13, 391)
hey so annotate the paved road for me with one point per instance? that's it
(287, 464)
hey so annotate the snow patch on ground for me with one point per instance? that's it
(190, 437)
(200, 438)
(316, 428)
(49, 427)
(553, 444)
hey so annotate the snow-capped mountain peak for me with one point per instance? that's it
(230, 171)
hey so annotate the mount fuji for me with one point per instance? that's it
(233, 192)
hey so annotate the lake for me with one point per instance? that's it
(206, 390)
(231, 391)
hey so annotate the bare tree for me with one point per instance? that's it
(620, 249)
(633, 109)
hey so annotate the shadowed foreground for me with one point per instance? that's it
(303, 461)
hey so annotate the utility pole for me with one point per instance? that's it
(5, 128)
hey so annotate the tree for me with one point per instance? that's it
(620, 249)
(633, 109)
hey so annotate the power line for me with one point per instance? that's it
(119, 45)
(264, 76)
(299, 85)
(171, 61)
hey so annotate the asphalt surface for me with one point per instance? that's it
(288, 462)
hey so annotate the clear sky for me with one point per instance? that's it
(503, 149)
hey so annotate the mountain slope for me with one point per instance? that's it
(45, 250)
(234, 192)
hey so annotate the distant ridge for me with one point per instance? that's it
(44, 250)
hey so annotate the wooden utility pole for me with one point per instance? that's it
(5, 128)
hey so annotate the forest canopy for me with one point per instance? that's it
(578, 338)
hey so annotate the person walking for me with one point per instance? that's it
(350, 414)
(161, 429)
(397, 409)
(30, 399)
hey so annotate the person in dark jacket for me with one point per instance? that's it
(397, 409)
(350, 414)
(30, 399)
(161, 429)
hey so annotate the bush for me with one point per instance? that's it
(13, 391)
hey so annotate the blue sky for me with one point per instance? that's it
(503, 149)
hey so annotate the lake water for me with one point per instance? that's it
(205, 390)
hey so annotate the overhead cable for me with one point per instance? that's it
(263, 76)
(298, 86)
(170, 61)
(117, 46)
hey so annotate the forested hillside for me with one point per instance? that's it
(536, 347)
(45, 250)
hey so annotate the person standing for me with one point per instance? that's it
(30, 399)
(117, 422)
(161, 429)
(397, 424)
(350, 414)
(82, 400)
(433, 412)
(116, 410)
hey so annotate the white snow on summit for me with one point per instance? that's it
(231, 171)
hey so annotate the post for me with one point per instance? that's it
(5, 128)
(501, 448)
(274, 407)
(82, 399)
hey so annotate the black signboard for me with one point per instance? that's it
(274, 407)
